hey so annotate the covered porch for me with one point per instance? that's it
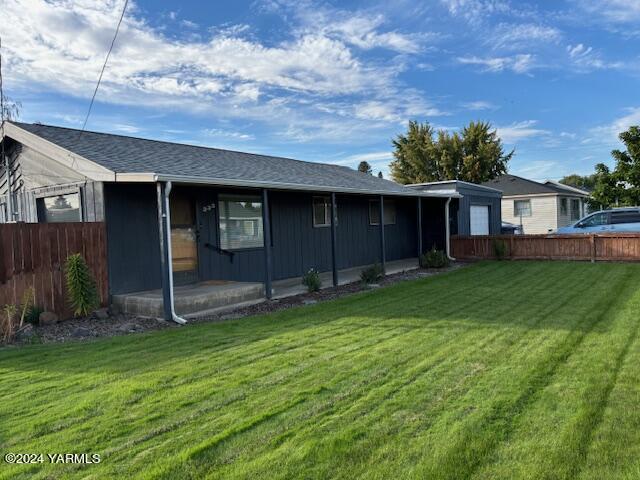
(209, 297)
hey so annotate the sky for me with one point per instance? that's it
(333, 81)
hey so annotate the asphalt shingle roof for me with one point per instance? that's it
(122, 154)
(514, 185)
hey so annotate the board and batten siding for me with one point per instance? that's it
(544, 213)
(297, 246)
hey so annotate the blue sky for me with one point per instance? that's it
(336, 81)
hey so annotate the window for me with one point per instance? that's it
(389, 212)
(59, 208)
(321, 211)
(564, 206)
(575, 209)
(595, 220)
(625, 217)
(522, 208)
(240, 222)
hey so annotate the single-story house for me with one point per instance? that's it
(539, 207)
(186, 214)
(476, 212)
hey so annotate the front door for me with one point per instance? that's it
(184, 243)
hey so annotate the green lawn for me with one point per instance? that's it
(500, 370)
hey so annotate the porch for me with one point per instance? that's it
(214, 296)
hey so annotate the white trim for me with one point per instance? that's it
(569, 188)
(444, 182)
(77, 163)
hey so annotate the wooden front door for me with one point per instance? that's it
(184, 240)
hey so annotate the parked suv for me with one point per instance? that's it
(614, 220)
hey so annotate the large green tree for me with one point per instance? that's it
(474, 154)
(364, 167)
(621, 186)
(585, 182)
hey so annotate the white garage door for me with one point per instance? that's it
(479, 220)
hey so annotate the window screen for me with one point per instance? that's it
(389, 212)
(522, 208)
(564, 206)
(575, 209)
(59, 208)
(321, 211)
(240, 222)
(625, 217)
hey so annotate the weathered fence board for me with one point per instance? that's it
(594, 247)
(33, 255)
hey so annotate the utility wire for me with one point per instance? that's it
(104, 66)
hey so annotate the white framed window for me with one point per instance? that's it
(564, 206)
(240, 222)
(575, 209)
(522, 208)
(59, 208)
(321, 211)
(389, 212)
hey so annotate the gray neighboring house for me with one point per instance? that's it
(539, 207)
(191, 215)
(477, 212)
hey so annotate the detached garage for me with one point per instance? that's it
(478, 212)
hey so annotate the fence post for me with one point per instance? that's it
(511, 243)
(593, 248)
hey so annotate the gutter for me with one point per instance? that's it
(167, 218)
(447, 234)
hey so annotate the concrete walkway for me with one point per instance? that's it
(215, 296)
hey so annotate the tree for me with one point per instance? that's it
(364, 167)
(473, 155)
(380, 174)
(584, 182)
(620, 187)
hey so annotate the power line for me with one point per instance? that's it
(104, 66)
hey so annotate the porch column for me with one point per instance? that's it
(267, 243)
(419, 227)
(334, 219)
(383, 255)
(164, 252)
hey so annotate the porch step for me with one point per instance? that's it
(189, 299)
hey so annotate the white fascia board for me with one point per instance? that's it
(531, 195)
(293, 186)
(83, 166)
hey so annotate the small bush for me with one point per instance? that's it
(311, 280)
(372, 274)
(33, 315)
(8, 323)
(499, 248)
(81, 287)
(434, 258)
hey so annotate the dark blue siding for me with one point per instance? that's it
(297, 245)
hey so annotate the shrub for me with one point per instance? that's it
(372, 274)
(8, 325)
(81, 287)
(311, 280)
(499, 248)
(33, 315)
(434, 258)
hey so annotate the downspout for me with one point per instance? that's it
(447, 233)
(167, 219)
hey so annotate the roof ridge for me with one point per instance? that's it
(178, 143)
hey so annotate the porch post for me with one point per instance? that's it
(419, 228)
(267, 243)
(383, 255)
(334, 218)
(164, 252)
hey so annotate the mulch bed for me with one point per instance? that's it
(80, 329)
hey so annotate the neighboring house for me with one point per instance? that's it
(225, 207)
(477, 212)
(539, 207)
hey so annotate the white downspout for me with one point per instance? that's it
(447, 240)
(167, 217)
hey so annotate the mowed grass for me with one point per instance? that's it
(497, 371)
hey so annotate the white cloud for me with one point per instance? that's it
(585, 58)
(479, 105)
(521, 63)
(608, 134)
(616, 11)
(510, 36)
(221, 133)
(516, 132)
(475, 11)
(538, 169)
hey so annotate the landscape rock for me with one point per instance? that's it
(101, 314)
(48, 318)
(128, 327)
(80, 332)
(309, 302)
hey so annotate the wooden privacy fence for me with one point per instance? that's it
(596, 247)
(33, 255)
